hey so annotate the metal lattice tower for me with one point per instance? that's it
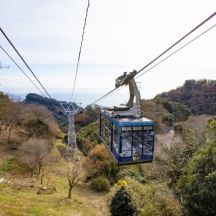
(71, 111)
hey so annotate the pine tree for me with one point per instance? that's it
(123, 204)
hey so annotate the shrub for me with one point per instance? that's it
(168, 119)
(37, 127)
(100, 184)
(180, 112)
(154, 199)
(87, 138)
(123, 204)
(99, 162)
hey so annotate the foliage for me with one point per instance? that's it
(122, 183)
(37, 127)
(90, 115)
(154, 198)
(86, 116)
(87, 138)
(169, 119)
(178, 111)
(197, 187)
(39, 121)
(11, 165)
(199, 96)
(123, 204)
(212, 126)
(133, 171)
(174, 153)
(100, 184)
(53, 105)
(155, 111)
(99, 162)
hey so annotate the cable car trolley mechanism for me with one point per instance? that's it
(127, 135)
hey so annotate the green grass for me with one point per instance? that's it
(16, 200)
(27, 202)
(11, 166)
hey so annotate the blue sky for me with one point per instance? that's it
(121, 35)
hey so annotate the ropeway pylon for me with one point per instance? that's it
(71, 111)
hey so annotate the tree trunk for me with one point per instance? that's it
(9, 133)
(42, 176)
(32, 170)
(69, 192)
(39, 168)
(32, 173)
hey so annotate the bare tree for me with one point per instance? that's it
(73, 177)
(9, 115)
(34, 153)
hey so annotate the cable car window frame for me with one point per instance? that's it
(146, 141)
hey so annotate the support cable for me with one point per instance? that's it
(178, 41)
(194, 29)
(80, 50)
(26, 64)
(22, 70)
(180, 48)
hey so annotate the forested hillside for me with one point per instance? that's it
(38, 179)
(85, 116)
(199, 96)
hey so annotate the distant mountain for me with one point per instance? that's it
(85, 117)
(53, 105)
(198, 96)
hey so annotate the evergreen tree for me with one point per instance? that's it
(123, 204)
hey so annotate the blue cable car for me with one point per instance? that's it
(127, 135)
(130, 140)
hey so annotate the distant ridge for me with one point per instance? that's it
(198, 96)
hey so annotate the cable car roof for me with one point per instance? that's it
(129, 121)
(132, 122)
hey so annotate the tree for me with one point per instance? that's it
(99, 162)
(38, 121)
(174, 152)
(34, 153)
(73, 177)
(197, 187)
(123, 204)
(9, 114)
(37, 127)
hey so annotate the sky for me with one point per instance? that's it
(121, 35)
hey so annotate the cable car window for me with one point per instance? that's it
(148, 142)
(126, 128)
(137, 128)
(126, 144)
(137, 143)
(147, 127)
(115, 139)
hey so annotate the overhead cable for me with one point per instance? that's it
(178, 41)
(112, 91)
(22, 70)
(26, 64)
(180, 48)
(80, 50)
